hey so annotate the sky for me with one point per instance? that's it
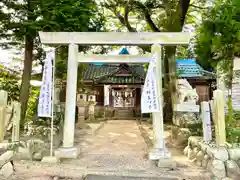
(4, 55)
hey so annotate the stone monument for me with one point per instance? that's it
(186, 110)
(91, 107)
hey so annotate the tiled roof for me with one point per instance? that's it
(188, 68)
(106, 74)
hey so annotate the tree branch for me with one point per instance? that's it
(150, 21)
(127, 24)
(146, 13)
(184, 4)
(123, 19)
(198, 7)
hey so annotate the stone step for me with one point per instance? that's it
(107, 177)
(123, 118)
(124, 112)
(119, 113)
(124, 115)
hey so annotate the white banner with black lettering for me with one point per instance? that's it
(106, 95)
(149, 99)
(45, 98)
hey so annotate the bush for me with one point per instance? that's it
(32, 103)
(9, 83)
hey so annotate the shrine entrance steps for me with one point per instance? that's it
(124, 114)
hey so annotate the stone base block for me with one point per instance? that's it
(51, 159)
(166, 163)
(67, 153)
(81, 122)
(163, 158)
(157, 154)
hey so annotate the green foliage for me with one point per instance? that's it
(69, 15)
(233, 127)
(218, 42)
(32, 103)
(9, 82)
(218, 36)
(20, 22)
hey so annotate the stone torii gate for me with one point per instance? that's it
(73, 39)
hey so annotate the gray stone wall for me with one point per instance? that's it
(6, 168)
(223, 162)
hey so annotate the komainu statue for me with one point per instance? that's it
(185, 92)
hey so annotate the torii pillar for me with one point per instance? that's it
(73, 39)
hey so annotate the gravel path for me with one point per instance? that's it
(118, 148)
(118, 144)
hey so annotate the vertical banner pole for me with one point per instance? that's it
(152, 102)
(53, 94)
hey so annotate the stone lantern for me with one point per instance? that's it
(81, 105)
(91, 107)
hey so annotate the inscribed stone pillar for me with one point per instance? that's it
(3, 112)
(16, 121)
(206, 121)
(2, 122)
(218, 103)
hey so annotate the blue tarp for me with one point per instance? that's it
(186, 61)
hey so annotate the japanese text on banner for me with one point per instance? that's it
(45, 98)
(149, 99)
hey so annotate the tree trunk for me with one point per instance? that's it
(169, 82)
(26, 76)
(175, 24)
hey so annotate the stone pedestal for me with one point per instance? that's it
(81, 122)
(157, 154)
(81, 115)
(162, 157)
(81, 104)
(91, 111)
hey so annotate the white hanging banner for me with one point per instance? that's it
(45, 98)
(106, 95)
(149, 99)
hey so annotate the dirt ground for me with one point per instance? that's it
(119, 147)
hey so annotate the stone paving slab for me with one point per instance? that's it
(102, 177)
